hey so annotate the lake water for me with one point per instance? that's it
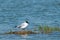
(37, 12)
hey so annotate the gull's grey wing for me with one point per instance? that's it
(21, 25)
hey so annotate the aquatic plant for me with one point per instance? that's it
(47, 29)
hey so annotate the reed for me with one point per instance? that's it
(48, 29)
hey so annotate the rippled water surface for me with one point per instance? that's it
(37, 12)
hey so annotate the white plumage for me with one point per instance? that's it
(23, 25)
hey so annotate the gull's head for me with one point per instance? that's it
(26, 21)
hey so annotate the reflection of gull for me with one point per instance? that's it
(24, 36)
(23, 25)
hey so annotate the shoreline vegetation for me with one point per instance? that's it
(39, 29)
(48, 29)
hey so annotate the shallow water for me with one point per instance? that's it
(37, 12)
(54, 36)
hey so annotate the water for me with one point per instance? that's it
(38, 12)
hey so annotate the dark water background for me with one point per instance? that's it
(37, 12)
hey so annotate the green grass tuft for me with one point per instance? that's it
(47, 29)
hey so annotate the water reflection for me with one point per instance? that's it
(24, 37)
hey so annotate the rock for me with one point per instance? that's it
(22, 32)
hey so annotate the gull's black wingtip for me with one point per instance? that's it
(15, 26)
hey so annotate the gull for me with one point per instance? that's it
(23, 25)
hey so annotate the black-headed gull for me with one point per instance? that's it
(23, 25)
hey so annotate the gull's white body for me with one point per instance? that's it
(23, 25)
